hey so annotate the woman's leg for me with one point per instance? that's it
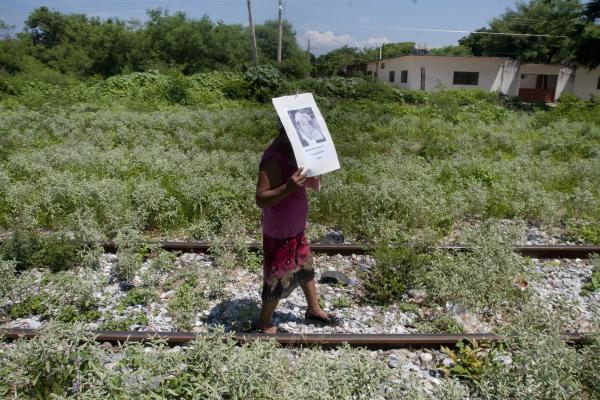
(265, 321)
(312, 300)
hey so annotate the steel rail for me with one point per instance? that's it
(370, 341)
(537, 251)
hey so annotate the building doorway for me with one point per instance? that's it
(538, 88)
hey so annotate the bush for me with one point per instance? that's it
(586, 232)
(52, 363)
(483, 278)
(264, 82)
(131, 248)
(62, 296)
(394, 272)
(30, 250)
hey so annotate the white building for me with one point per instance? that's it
(532, 82)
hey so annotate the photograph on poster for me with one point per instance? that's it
(307, 131)
(307, 127)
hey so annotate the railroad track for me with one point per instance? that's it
(560, 251)
(370, 341)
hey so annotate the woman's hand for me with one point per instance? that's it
(296, 181)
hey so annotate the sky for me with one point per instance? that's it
(328, 24)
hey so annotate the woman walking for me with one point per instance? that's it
(281, 194)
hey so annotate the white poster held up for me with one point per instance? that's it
(308, 133)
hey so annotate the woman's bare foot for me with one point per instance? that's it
(268, 329)
(319, 312)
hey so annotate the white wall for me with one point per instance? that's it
(565, 83)
(495, 73)
(586, 83)
(439, 71)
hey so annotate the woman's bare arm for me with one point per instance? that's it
(270, 188)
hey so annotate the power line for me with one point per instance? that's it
(399, 28)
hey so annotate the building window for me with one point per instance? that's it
(404, 76)
(392, 76)
(382, 65)
(598, 85)
(466, 78)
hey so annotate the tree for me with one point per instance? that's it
(587, 40)
(175, 39)
(561, 19)
(390, 50)
(332, 63)
(230, 46)
(451, 51)
(295, 62)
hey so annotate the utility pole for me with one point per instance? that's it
(252, 32)
(280, 33)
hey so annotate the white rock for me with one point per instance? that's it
(426, 357)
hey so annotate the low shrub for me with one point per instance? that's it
(52, 364)
(8, 270)
(593, 283)
(264, 82)
(483, 278)
(393, 273)
(131, 249)
(586, 232)
(62, 296)
(29, 249)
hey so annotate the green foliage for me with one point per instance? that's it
(185, 304)
(409, 170)
(393, 273)
(341, 302)
(254, 261)
(194, 286)
(333, 62)
(439, 321)
(264, 82)
(590, 362)
(483, 278)
(120, 323)
(52, 363)
(139, 295)
(593, 284)
(88, 46)
(50, 300)
(65, 362)
(8, 269)
(131, 249)
(470, 361)
(451, 50)
(230, 249)
(534, 17)
(541, 366)
(30, 250)
(587, 232)
(177, 91)
(32, 305)
(295, 62)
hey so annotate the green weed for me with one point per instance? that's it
(394, 272)
(593, 284)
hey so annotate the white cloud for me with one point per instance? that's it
(323, 42)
